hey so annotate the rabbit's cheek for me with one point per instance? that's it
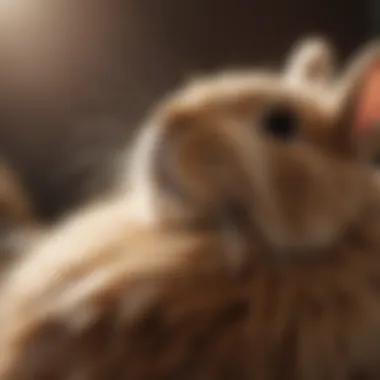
(313, 199)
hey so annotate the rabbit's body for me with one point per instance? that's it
(246, 246)
(152, 304)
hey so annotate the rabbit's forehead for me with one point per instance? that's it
(246, 92)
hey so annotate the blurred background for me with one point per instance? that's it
(77, 76)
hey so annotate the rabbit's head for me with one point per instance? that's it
(274, 151)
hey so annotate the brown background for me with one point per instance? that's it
(80, 76)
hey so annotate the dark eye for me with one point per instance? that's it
(280, 122)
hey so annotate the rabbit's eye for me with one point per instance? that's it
(280, 122)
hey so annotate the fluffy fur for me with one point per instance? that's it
(232, 253)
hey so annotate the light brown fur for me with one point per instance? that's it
(231, 255)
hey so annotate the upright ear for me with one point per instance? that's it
(347, 91)
(349, 84)
(311, 60)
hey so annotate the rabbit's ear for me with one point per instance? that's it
(311, 60)
(349, 85)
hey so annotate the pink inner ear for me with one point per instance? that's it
(368, 111)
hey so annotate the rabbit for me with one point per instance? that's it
(243, 243)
